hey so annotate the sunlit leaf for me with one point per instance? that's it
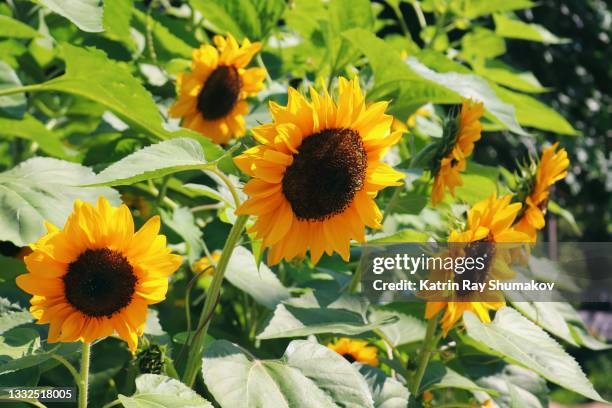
(85, 14)
(516, 29)
(158, 391)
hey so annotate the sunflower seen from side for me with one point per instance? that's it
(212, 97)
(355, 351)
(316, 171)
(457, 144)
(97, 275)
(534, 190)
(488, 222)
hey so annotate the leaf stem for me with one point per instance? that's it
(229, 185)
(402, 23)
(429, 344)
(21, 89)
(69, 366)
(194, 359)
(112, 404)
(84, 376)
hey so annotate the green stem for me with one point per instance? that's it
(394, 349)
(20, 89)
(112, 404)
(69, 366)
(352, 287)
(402, 23)
(194, 359)
(420, 16)
(84, 377)
(162, 191)
(229, 185)
(429, 344)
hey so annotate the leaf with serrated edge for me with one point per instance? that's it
(156, 391)
(519, 341)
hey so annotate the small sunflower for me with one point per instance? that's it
(317, 171)
(488, 221)
(551, 168)
(97, 275)
(202, 264)
(356, 351)
(460, 134)
(212, 96)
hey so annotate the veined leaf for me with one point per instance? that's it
(154, 161)
(9, 27)
(519, 341)
(531, 112)
(31, 129)
(259, 282)
(308, 375)
(439, 376)
(387, 392)
(513, 28)
(477, 8)
(157, 391)
(516, 387)
(85, 14)
(505, 75)
(42, 189)
(14, 105)
(320, 312)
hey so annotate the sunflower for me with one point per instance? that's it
(460, 134)
(97, 275)
(355, 350)
(212, 96)
(552, 168)
(489, 221)
(202, 265)
(317, 171)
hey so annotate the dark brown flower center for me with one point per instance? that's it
(349, 357)
(220, 93)
(100, 282)
(485, 249)
(326, 173)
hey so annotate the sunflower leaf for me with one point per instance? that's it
(308, 375)
(320, 312)
(42, 189)
(155, 391)
(387, 392)
(155, 161)
(10, 27)
(519, 341)
(14, 105)
(31, 129)
(85, 14)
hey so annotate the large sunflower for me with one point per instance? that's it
(317, 171)
(212, 96)
(355, 351)
(489, 221)
(97, 276)
(552, 168)
(457, 144)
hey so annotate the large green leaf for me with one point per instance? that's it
(15, 104)
(438, 376)
(31, 129)
(85, 14)
(505, 75)
(259, 282)
(320, 312)
(477, 8)
(519, 341)
(158, 391)
(387, 392)
(42, 189)
(548, 316)
(411, 84)
(482, 43)
(117, 16)
(407, 329)
(308, 375)
(242, 18)
(10, 27)
(516, 387)
(531, 112)
(158, 160)
(513, 28)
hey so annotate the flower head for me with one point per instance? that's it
(551, 168)
(211, 98)
(317, 171)
(97, 275)
(457, 144)
(355, 350)
(203, 265)
(489, 221)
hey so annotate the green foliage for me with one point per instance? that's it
(159, 391)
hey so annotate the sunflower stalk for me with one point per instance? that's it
(194, 359)
(429, 344)
(84, 375)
